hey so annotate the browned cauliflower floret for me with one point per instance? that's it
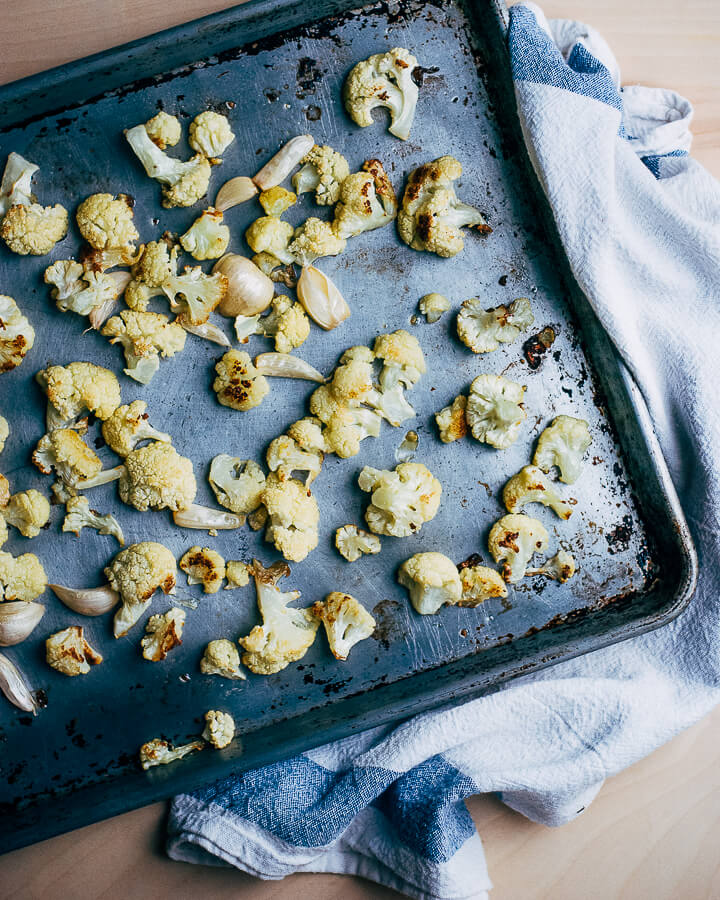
(431, 215)
(367, 201)
(219, 728)
(69, 652)
(451, 421)
(136, 573)
(128, 426)
(204, 566)
(27, 226)
(145, 337)
(17, 335)
(22, 577)
(28, 511)
(384, 79)
(238, 384)
(323, 171)
(106, 222)
(65, 451)
(184, 183)
(157, 477)
(292, 517)
(77, 387)
(164, 130)
(210, 134)
(286, 323)
(162, 633)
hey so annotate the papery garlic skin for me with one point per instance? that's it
(321, 299)
(209, 332)
(14, 688)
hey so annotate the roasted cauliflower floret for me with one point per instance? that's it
(204, 566)
(367, 201)
(164, 130)
(21, 577)
(352, 542)
(159, 753)
(323, 171)
(482, 330)
(210, 134)
(384, 79)
(563, 444)
(286, 323)
(4, 491)
(307, 433)
(65, 451)
(284, 456)
(150, 273)
(480, 583)
(403, 365)
(82, 290)
(494, 410)
(346, 622)
(268, 234)
(275, 201)
(207, 237)
(17, 335)
(34, 230)
(286, 633)
(79, 516)
(432, 580)
(68, 652)
(4, 434)
(292, 517)
(313, 239)
(530, 485)
(194, 294)
(28, 511)
(4, 535)
(433, 306)
(157, 477)
(184, 183)
(27, 226)
(162, 633)
(237, 574)
(219, 728)
(451, 421)
(106, 222)
(145, 337)
(431, 215)
(136, 573)
(222, 658)
(401, 500)
(237, 483)
(239, 385)
(128, 426)
(513, 541)
(77, 387)
(560, 567)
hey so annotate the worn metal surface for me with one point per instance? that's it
(76, 761)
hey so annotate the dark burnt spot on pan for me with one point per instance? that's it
(537, 345)
(618, 539)
(387, 628)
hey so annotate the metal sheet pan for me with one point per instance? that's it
(276, 75)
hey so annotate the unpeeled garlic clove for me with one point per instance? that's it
(209, 332)
(17, 620)
(14, 687)
(234, 192)
(205, 518)
(321, 299)
(285, 365)
(277, 169)
(87, 601)
(249, 290)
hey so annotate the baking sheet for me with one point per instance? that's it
(77, 759)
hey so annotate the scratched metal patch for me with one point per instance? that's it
(93, 725)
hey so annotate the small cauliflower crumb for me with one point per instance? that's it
(159, 753)
(219, 728)
(204, 566)
(480, 583)
(346, 622)
(68, 652)
(164, 130)
(237, 573)
(352, 542)
(452, 422)
(433, 306)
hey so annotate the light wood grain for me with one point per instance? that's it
(652, 832)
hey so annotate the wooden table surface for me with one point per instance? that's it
(653, 830)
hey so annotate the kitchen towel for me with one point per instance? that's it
(640, 223)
